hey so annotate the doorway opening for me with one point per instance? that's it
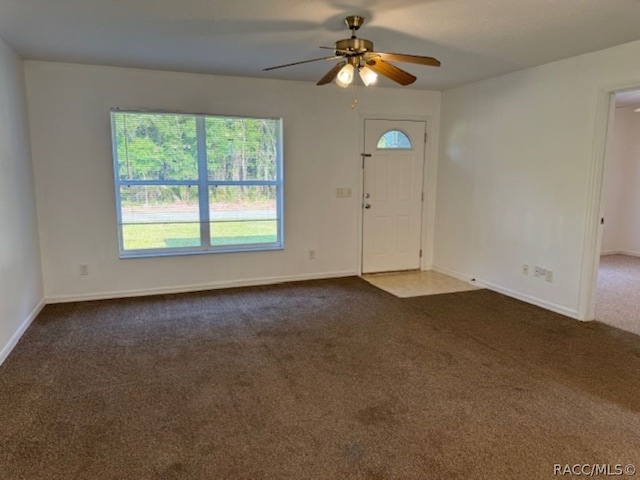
(617, 295)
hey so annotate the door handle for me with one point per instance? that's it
(367, 195)
(367, 206)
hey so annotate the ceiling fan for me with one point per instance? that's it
(357, 54)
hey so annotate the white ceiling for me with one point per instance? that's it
(474, 39)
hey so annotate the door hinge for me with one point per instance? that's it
(426, 136)
(420, 253)
(422, 198)
(602, 221)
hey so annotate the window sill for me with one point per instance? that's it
(180, 253)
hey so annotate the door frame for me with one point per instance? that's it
(428, 184)
(605, 112)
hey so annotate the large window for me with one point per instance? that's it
(196, 183)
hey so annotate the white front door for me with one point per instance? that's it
(392, 203)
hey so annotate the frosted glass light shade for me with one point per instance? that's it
(368, 76)
(345, 76)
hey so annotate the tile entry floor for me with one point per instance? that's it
(417, 283)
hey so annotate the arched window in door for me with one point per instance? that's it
(394, 140)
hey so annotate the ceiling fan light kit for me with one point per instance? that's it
(357, 54)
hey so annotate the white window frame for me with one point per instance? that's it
(203, 184)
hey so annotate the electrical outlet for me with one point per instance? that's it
(84, 269)
(548, 276)
(525, 269)
(539, 272)
(312, 254)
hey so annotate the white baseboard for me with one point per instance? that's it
(629, 253)
(15, 338)
(454, 274)
(197, 287)
(509, 293)
(568, 312)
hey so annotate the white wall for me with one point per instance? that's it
(21, 293)
(517, 156)
(615, 167)
(621, 233)
(69, 110)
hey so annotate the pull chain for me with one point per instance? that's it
(355, 92)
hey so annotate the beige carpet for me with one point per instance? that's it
(417, 283)
(321, 380)
(618, 296)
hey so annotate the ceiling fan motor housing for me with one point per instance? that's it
(353, 45)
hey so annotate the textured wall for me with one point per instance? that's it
(622, 214)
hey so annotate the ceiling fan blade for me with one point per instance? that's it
(390, 71)
(331, 74)
(402, 57)
(332, 57)
(339, 52)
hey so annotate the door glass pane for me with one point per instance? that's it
(394, 140)
(243, 215)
